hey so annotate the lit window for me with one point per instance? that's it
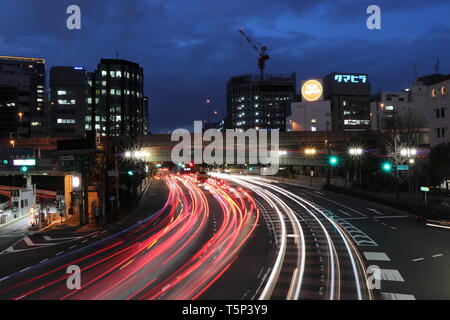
(314, 129)
(62, 92)
(104, 73)
(314, 121)
(434, 94)
(66, 121)
(389, 108)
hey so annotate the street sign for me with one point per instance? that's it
(403, 167)
(425, 190)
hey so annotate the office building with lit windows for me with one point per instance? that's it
(349, 95)
(22, 97)
(258, 103)
(68, 101)
(115, 100)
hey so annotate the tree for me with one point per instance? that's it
(406, 134)
(439, 164)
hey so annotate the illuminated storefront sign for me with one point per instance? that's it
(312, 90)
(350, 78)
(24, 162)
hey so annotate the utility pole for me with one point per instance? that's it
(117, 178)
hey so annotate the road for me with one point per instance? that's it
(176, 253)
(236, 237)
(316, 258)
(413, 259)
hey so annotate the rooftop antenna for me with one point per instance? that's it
(437, 67)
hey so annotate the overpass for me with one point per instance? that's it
(292, 144)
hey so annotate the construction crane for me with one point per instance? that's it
(262, 50)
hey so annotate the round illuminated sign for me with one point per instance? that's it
(312, 90)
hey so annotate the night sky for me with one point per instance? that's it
(190, 48)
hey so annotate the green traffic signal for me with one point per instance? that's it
(333, 161)
(130, 173)
(24, 169)
(386, 166)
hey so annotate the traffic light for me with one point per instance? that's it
(5, 162)
(24, 169)
(333, 161)
(131, 173)
(386, 166)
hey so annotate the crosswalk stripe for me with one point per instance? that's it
(376, 256)
(391, 275)
(397, 296)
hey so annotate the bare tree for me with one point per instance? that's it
(405, 135)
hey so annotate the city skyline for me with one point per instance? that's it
(181, 49)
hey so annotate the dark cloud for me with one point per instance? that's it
(190, 48)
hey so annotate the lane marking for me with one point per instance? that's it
(376, 256)
(393, 228)
(347, 214)
(418, 259)
(24, 269)
(73, 247)
(2, 279)
(59, 253)
(43, 260)
(438, 255)
(375, 211)
(397, 296)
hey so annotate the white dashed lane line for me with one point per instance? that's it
(24, 269)
(418, 259)
(2, 279)
(73, 247)
(438, 255)
(59, 253)
(43, 260)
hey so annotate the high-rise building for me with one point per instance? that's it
(258, 103)
(22, 97)
(349, 94)
(68, 101)
(116, 105)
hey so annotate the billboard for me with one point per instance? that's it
(312, 90)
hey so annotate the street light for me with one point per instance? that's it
(408, 152)
(310, 152)
(355, 152)
(13, 143)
